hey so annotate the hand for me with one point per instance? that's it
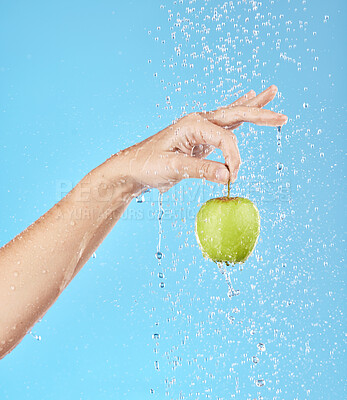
(179, 151)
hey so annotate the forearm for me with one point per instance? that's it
(39, 263)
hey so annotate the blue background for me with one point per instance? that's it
(81, 80)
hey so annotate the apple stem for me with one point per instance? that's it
(228, 189)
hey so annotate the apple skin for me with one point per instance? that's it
(227, 229)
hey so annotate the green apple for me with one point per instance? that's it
(227, 229)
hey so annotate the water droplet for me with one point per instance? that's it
(94, 255)
(151, 391)
(255, 359)
(140, 199)
(159, 255)
(260, 382)
(231, 318)
(232, 292)
(305, 105)
(279, 166)
(156, 365)
(261, 346)
(160, 275)
(155, 336)
(162, 285)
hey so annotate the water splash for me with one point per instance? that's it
(279, 139)
(231, 292)
(36, 337)
(159, 254)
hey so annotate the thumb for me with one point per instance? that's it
(201, 168)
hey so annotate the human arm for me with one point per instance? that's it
(37, 265)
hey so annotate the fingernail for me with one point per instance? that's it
(222, 175)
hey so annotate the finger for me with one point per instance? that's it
(207, 133)
(239, 114)
(244, 99)
(240, 101)
(263, 98)
(259, 101)
(192, 167)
